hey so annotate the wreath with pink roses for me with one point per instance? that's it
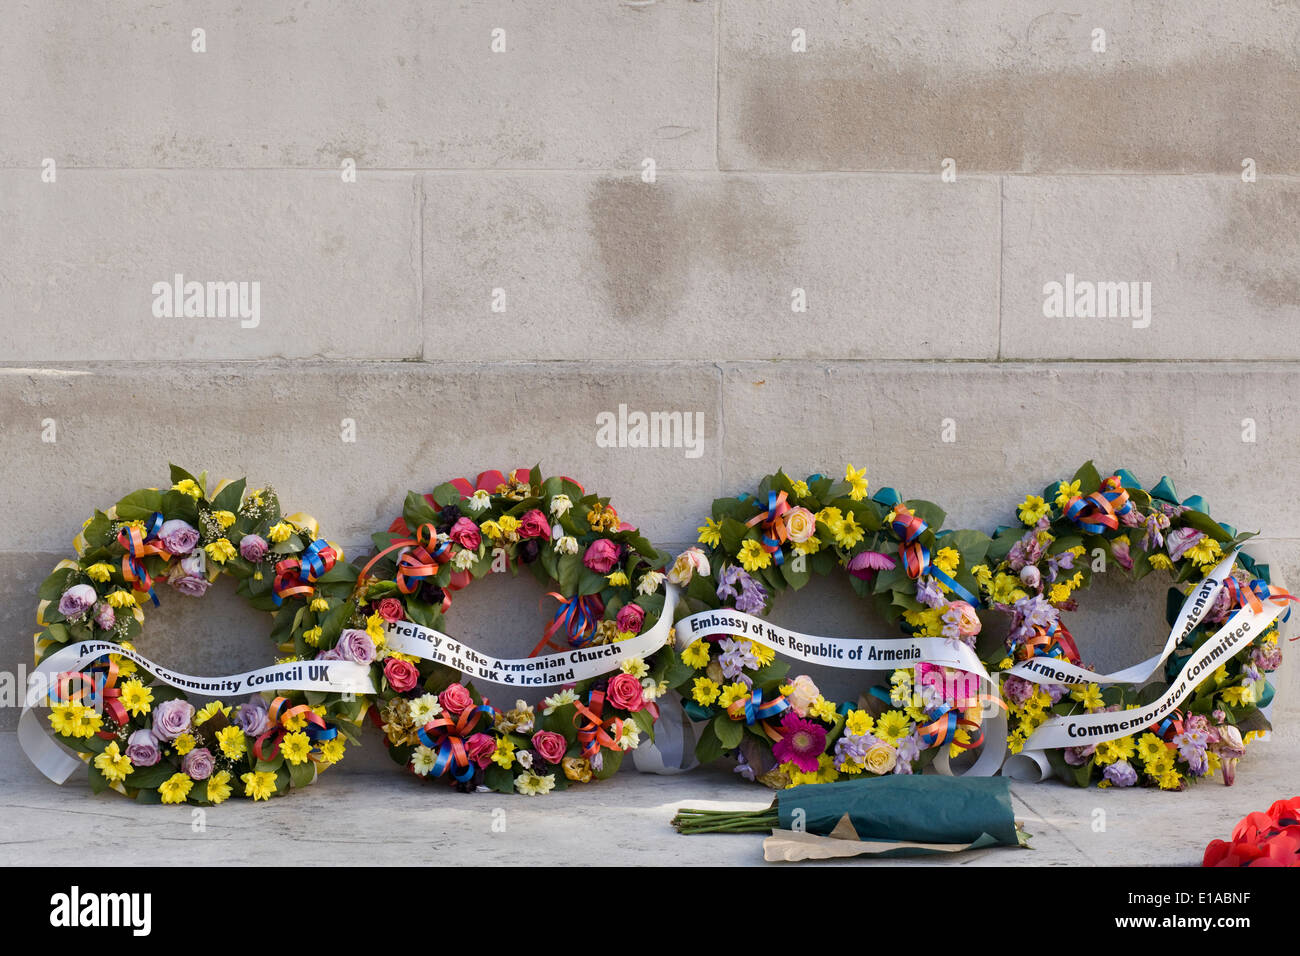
(606, 582)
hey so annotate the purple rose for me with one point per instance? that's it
(197, 764)
(172, 718)
(253, 547)
(191, 585)
(251, 717)
(105, 618)
(178, 537)
(355, 646)
(1120, 774)
(76, 600)
(1078, 756)
(141, 749)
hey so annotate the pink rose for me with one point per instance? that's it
(402, 675)
(480, 748)
(466, 534)
(456, 699)
(253, 547)
(602, 554)
(551, 745)
(534, 525)
(630, 618)
(625, 692)
(390, 609)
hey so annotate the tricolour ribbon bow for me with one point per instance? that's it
(1054, 641)
(1256, 593)
(95, 687)
(915, 556)
(280, 714)
(752, 709)
(577, 616)
(421, 561)
(1102, 509)
(446, 736)
(297, 576)
(139, 545)
(773, 526)
(593, 732)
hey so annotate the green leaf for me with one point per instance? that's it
(709, 748)
(498, 778)
(1088, 477)
(1205, 524)
(416, 511)
(98, 782)
(796, 579)
(570, 569)
(229, 497)
(928, 512)
(149, 778)
(139, 505)
(302, 774)
(730, 732)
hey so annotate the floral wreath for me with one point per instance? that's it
(599, 569)
(142, 737)
(783, 731)
(1037, 573)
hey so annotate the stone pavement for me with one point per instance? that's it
(373, 815)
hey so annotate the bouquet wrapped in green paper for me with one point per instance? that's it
(897, 815)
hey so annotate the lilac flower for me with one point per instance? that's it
(1154, 537)
(744, 768)
(928, 593)
(852, 749)
(1056, 692)
(909, 749)
(1120, 774)
(727, 582)
(1120, 549)
(752, 599)
(735, 657)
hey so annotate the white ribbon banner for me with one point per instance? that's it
(1049, 670)
(1084, 729)
(547, 670)
(58, 763)
(867, 654)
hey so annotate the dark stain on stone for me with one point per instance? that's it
(655, 240)
(1257, 246)
(847, 109)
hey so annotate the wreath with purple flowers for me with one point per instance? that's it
(139, 735)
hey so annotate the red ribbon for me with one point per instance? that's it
(593, 733)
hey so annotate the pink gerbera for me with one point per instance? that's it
(863, 564)
(801, 743)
